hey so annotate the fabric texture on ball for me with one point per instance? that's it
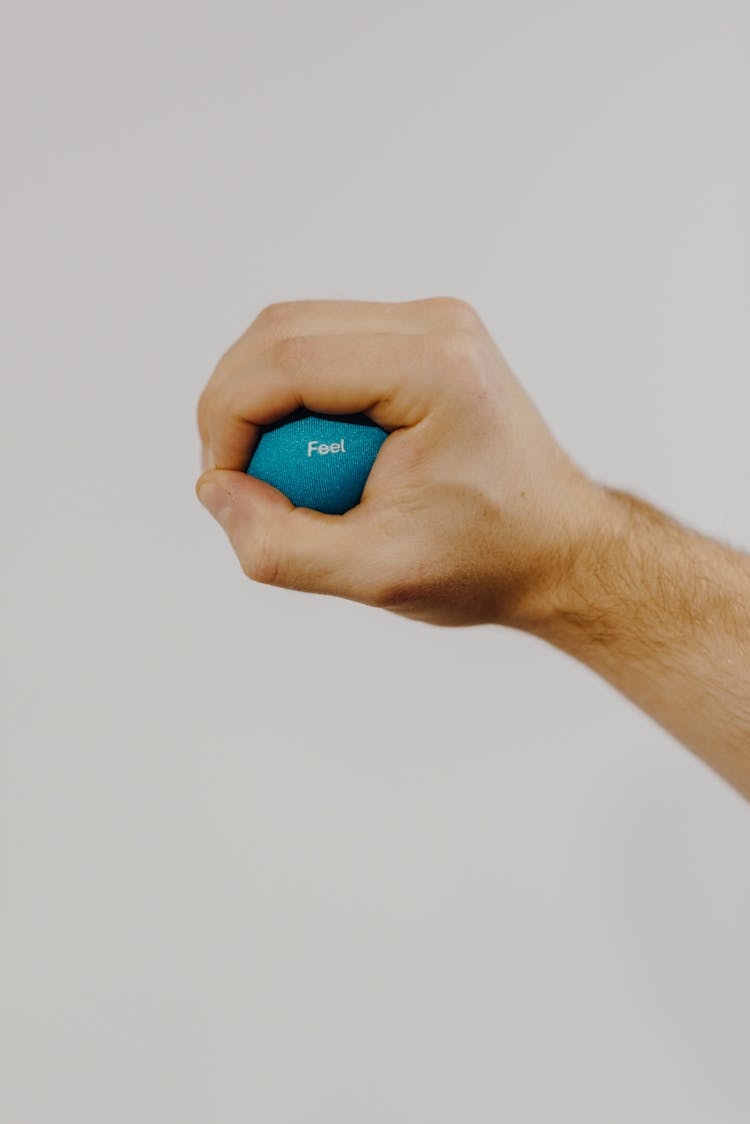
(320, 461)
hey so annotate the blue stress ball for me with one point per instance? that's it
(318, 460)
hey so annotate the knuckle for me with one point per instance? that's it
(212, 390)
(262, 563)
(457, 351)
(274, 317)
(457, 313)
(463, 356)
(290, 353)
(202, 412)
(231, 359)
(261, 560)
(216, 407)
(226, 359)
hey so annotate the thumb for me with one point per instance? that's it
(294, 547)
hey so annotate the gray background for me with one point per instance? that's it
(280, 858)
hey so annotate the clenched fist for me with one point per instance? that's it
(471, 512)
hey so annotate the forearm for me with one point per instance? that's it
(663, 614)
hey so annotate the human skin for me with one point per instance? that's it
(473, 514)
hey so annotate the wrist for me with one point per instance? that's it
(576, 592)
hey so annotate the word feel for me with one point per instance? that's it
(322, 450)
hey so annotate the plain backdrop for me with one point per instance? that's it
(279, 858)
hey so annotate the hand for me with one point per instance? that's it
(471, 514)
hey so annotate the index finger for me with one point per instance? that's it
(386, 376)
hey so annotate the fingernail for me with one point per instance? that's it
(216, 500)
